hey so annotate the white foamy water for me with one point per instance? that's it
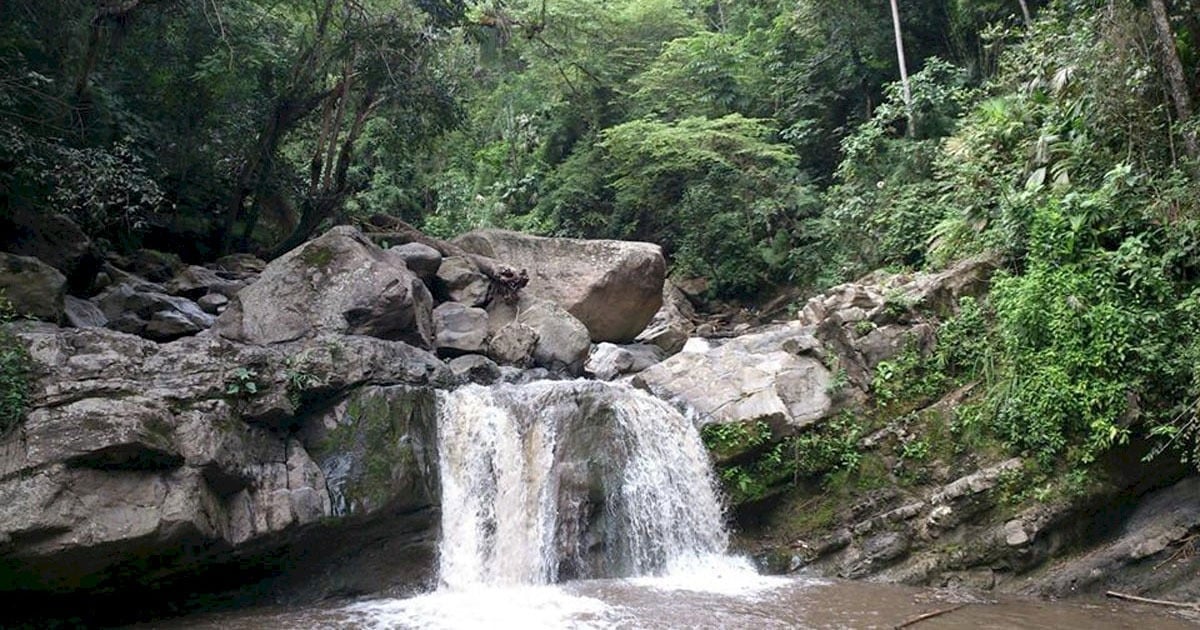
(716, 574)
(525, 607)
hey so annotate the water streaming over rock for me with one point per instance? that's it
(559, 480)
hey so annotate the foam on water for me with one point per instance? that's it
(526, 607)
(718, 574)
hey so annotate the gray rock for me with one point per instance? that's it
(460, 329)
(513, 344)
(34, 288)
(54, 239)
(213, 303)
(421, 259)
(194, 282)
(474, 368)
(82, 313)
(458, 280)
(562, 341)
(339, 282)
(133, 448)
(613, 287)
(151, 264)
(751, 378)
(1014, 533)
(240, 266)
(134, 309)
(672, 325)
(608, 361)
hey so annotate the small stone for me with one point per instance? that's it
(84, 314)
(1014, 533)
(458, 280)
(213, 303)
(474, 368)
(513, 344)
(421, 259)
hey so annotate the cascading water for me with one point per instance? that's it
(547, 488)
(569, 480)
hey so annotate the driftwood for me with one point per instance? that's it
(924, 616)
(1156, 602)
(507, 281)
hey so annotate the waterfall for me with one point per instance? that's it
(559, 480)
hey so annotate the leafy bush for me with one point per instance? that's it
(15, 371)
(108, 191)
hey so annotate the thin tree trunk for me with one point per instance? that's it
(1173, 68)
(908, 108)
(1025, 13)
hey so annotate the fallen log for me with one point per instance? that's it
(507, 281)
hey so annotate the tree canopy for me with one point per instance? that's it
(762, 143)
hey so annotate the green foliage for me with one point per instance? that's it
(242, 383)
(910, 378)
(716, 193)
(832, 447)
(299, 378)
(15, 371)
(724, 439)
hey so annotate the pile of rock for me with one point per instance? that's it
(193, 417)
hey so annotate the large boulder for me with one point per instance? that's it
(460, 329)
(459, 280)
(671, 326)
(613, 287)
(561, 341)
(54, 239)
(34, 288)
(339, 282)
(774, 376)
(138, 309)
(421, 259)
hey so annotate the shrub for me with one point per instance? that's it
(15, 371)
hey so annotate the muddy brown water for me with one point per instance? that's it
(735, 602)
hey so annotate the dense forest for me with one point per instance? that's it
(764, 144)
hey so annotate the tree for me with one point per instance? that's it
(1025, 13)
(1173, 69)
(903, 65)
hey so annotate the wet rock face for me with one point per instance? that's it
(337, 283)
(613, 287)
(366, 444)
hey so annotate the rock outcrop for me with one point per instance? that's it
(185, 455)
(613, 287)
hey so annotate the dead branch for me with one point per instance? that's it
(506, 281)
(1156, 602)
(925, 616)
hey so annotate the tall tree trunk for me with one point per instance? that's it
(908, 107)
(1173, 68)
(1025, 13)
